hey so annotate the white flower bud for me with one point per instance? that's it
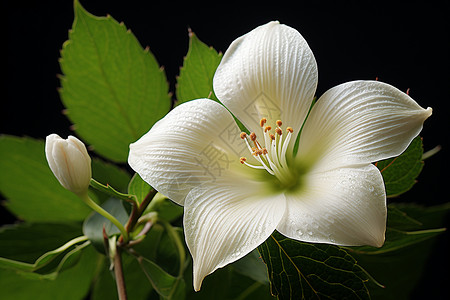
(70, 162)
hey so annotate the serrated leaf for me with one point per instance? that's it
(400, 173)
(196, 75)
(113, 89)
(299, 270)
(33, 192)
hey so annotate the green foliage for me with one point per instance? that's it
(139, 188)
(114, 90)
(196, 75)
(72, 284)
(300, 270)
(33, 192)
(400, 173)
(94, 224)
(400, 270)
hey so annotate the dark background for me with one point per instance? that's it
(405, 45)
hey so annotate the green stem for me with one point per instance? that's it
(86, 199)
(149, 201)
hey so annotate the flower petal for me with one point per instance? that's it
(226, 220)
(196, 142)
(270, 72)
(345, 206)
(360, 122)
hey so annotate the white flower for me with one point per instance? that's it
(70, 162)
(238, 188)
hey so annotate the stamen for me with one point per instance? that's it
(271, 154)
(258, 167)
(285, 146)
(262, 122)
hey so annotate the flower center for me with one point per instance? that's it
(270, 153)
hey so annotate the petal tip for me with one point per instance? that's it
(198, 284)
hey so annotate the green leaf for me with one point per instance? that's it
(397, 239)
(26, 242)
(225, 284)
(33, 192)
(299, 270)
(114, 90)
(252, 266)
(110, 174)
(93, 226)
(139, 188)
(402, 231)
(400, 173)
(137, 289)
(72, 284)
(109, 190)
(401, 270)
(159, 258)
(196, 75)
(21, 243)
(166, 285)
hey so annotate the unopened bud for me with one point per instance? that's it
(70, 162)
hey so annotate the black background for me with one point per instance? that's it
(406, 45)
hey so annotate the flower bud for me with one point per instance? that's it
(70, 162)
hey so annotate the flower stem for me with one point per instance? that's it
(118, 272)
(86, 199)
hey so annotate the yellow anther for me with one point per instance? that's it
(242, 160)
(290, 129)
(267, 128)
(278, 131)
(253, 136)
(279, 123)
(264, 151)
(272, 137)
(262, 122)
(243, 135)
